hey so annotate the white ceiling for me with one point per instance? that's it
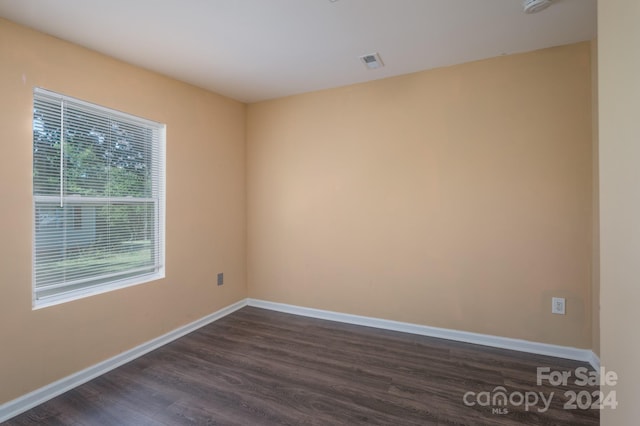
(253, 50)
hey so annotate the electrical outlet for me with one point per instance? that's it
(558, 305)
(220, 278)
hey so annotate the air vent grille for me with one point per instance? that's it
(372, 61)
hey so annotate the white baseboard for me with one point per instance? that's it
(594, 360)
(37, 397)
(584, 355)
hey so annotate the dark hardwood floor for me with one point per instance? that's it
(257, 367)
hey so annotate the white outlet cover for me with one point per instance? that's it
(558, 305)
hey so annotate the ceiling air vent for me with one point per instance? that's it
(533, 6)
(372, 61)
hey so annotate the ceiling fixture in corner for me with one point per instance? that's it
(372, 61)
(533, 6)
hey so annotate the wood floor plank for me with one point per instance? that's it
(258, 367)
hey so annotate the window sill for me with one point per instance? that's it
(94, 291)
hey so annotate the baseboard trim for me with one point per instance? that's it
(594, 360)
(584, 355)
(43, 394)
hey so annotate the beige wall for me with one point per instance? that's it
(619, 109)
(205, 211)
(458, 197)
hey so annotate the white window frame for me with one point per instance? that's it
(158, 199)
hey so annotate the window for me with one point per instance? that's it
(98, 194)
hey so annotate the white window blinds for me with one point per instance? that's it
(98, 192)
